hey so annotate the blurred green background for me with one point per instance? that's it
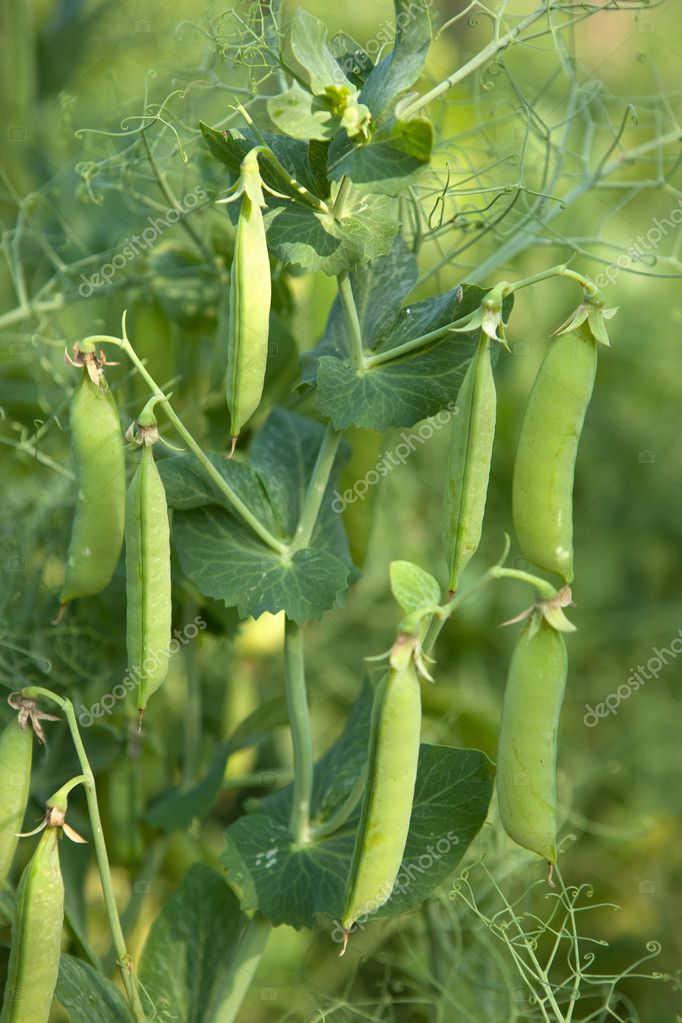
(77, 182)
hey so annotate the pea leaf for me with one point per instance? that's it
(412, 587)
(86, 995)
(301, 115)
(291, 883)
(395, 155)
(225, 559)
(402, 67)
(185, 289)
(354, 61)
(191, 941)
(305, 51)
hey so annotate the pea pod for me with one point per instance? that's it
(471, 446)
(250, 294)
(544, 467)
(36, 936)
(148, 577)
(527, 745)
(387, 801)
(16, 753)
(97, 532)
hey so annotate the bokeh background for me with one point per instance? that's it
(76, 78)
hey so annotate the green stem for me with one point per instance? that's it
(316, 489)
(481, 58)
(556, 271)
(147, 871)
(299, 722)
(342, 197)
(246, 514)
(541, 585)
(343, 812)
(123, 957)
(352, 321)
(410, 346)
(171, 200)
(235, 982)
(191, 718)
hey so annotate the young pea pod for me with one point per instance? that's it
(527, 745)
(148, 577)
(544, 467)
(250, 294)
(387, 801)
(36, 936)
(471, 446)
(16, 753)
(97, 532)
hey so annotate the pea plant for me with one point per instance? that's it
(218, 443)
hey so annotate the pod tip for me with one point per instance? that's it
(60, 614)
(233, 444)
(344, 946)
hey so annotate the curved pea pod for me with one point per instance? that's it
(16, 754)
(527, 745)
(544, 468)
(148, 578)
(36, 936)
(387, 800)
(471, 447)
(250, 295)
(97, 532)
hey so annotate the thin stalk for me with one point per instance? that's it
(171, 200)
(352, 321)
(481, 58)
(147, 871)
(544, 588)
(123, 957)
(236, 980)
(341, 197)
(556, 271)
(191, 719)
(246, 514)
(316, 489)
(371, 361)
(299, 722)
(343, 812)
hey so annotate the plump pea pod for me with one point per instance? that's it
(387, 800)
(36, 936)
(527, 745)
(542, 492)
(97, 532)
(250, 294)
(471, 446)
(16, 753)
(148, 578)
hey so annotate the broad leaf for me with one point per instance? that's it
(354, 61)
(190, 942)
(303, 116)
(413, 588)
(305, 52)
(225, 559)
(402, 67)
(87, 996)
(291, 884)
(391, 160)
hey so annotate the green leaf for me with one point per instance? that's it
(303, 116)
(175, 810)
(402, 67)
(392, 159)
(354, 61)
(305, 52)
(413, 588)
(185, 288)
(190, 943)
(301, 236)
(86, 995)
(222, 556)
(291, 884)
(412, 387)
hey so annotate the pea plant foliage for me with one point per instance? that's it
(294, 158)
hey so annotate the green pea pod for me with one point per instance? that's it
(387, 801)
(16, 753)
(527, 745)
(148, 578)
(97, 532)
(544, 467)
(471, 448)
(36, 936)
(250, 294)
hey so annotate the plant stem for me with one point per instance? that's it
(343, 812)
(371, 361)
(481, 58)
(316, 489)
(171, 200)
(236, 980)
(353, 329)
(246, 514)
(299, 722)
(341, 197)
(123, 957)
(544, 588)
(556, 271)
(191, 718)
